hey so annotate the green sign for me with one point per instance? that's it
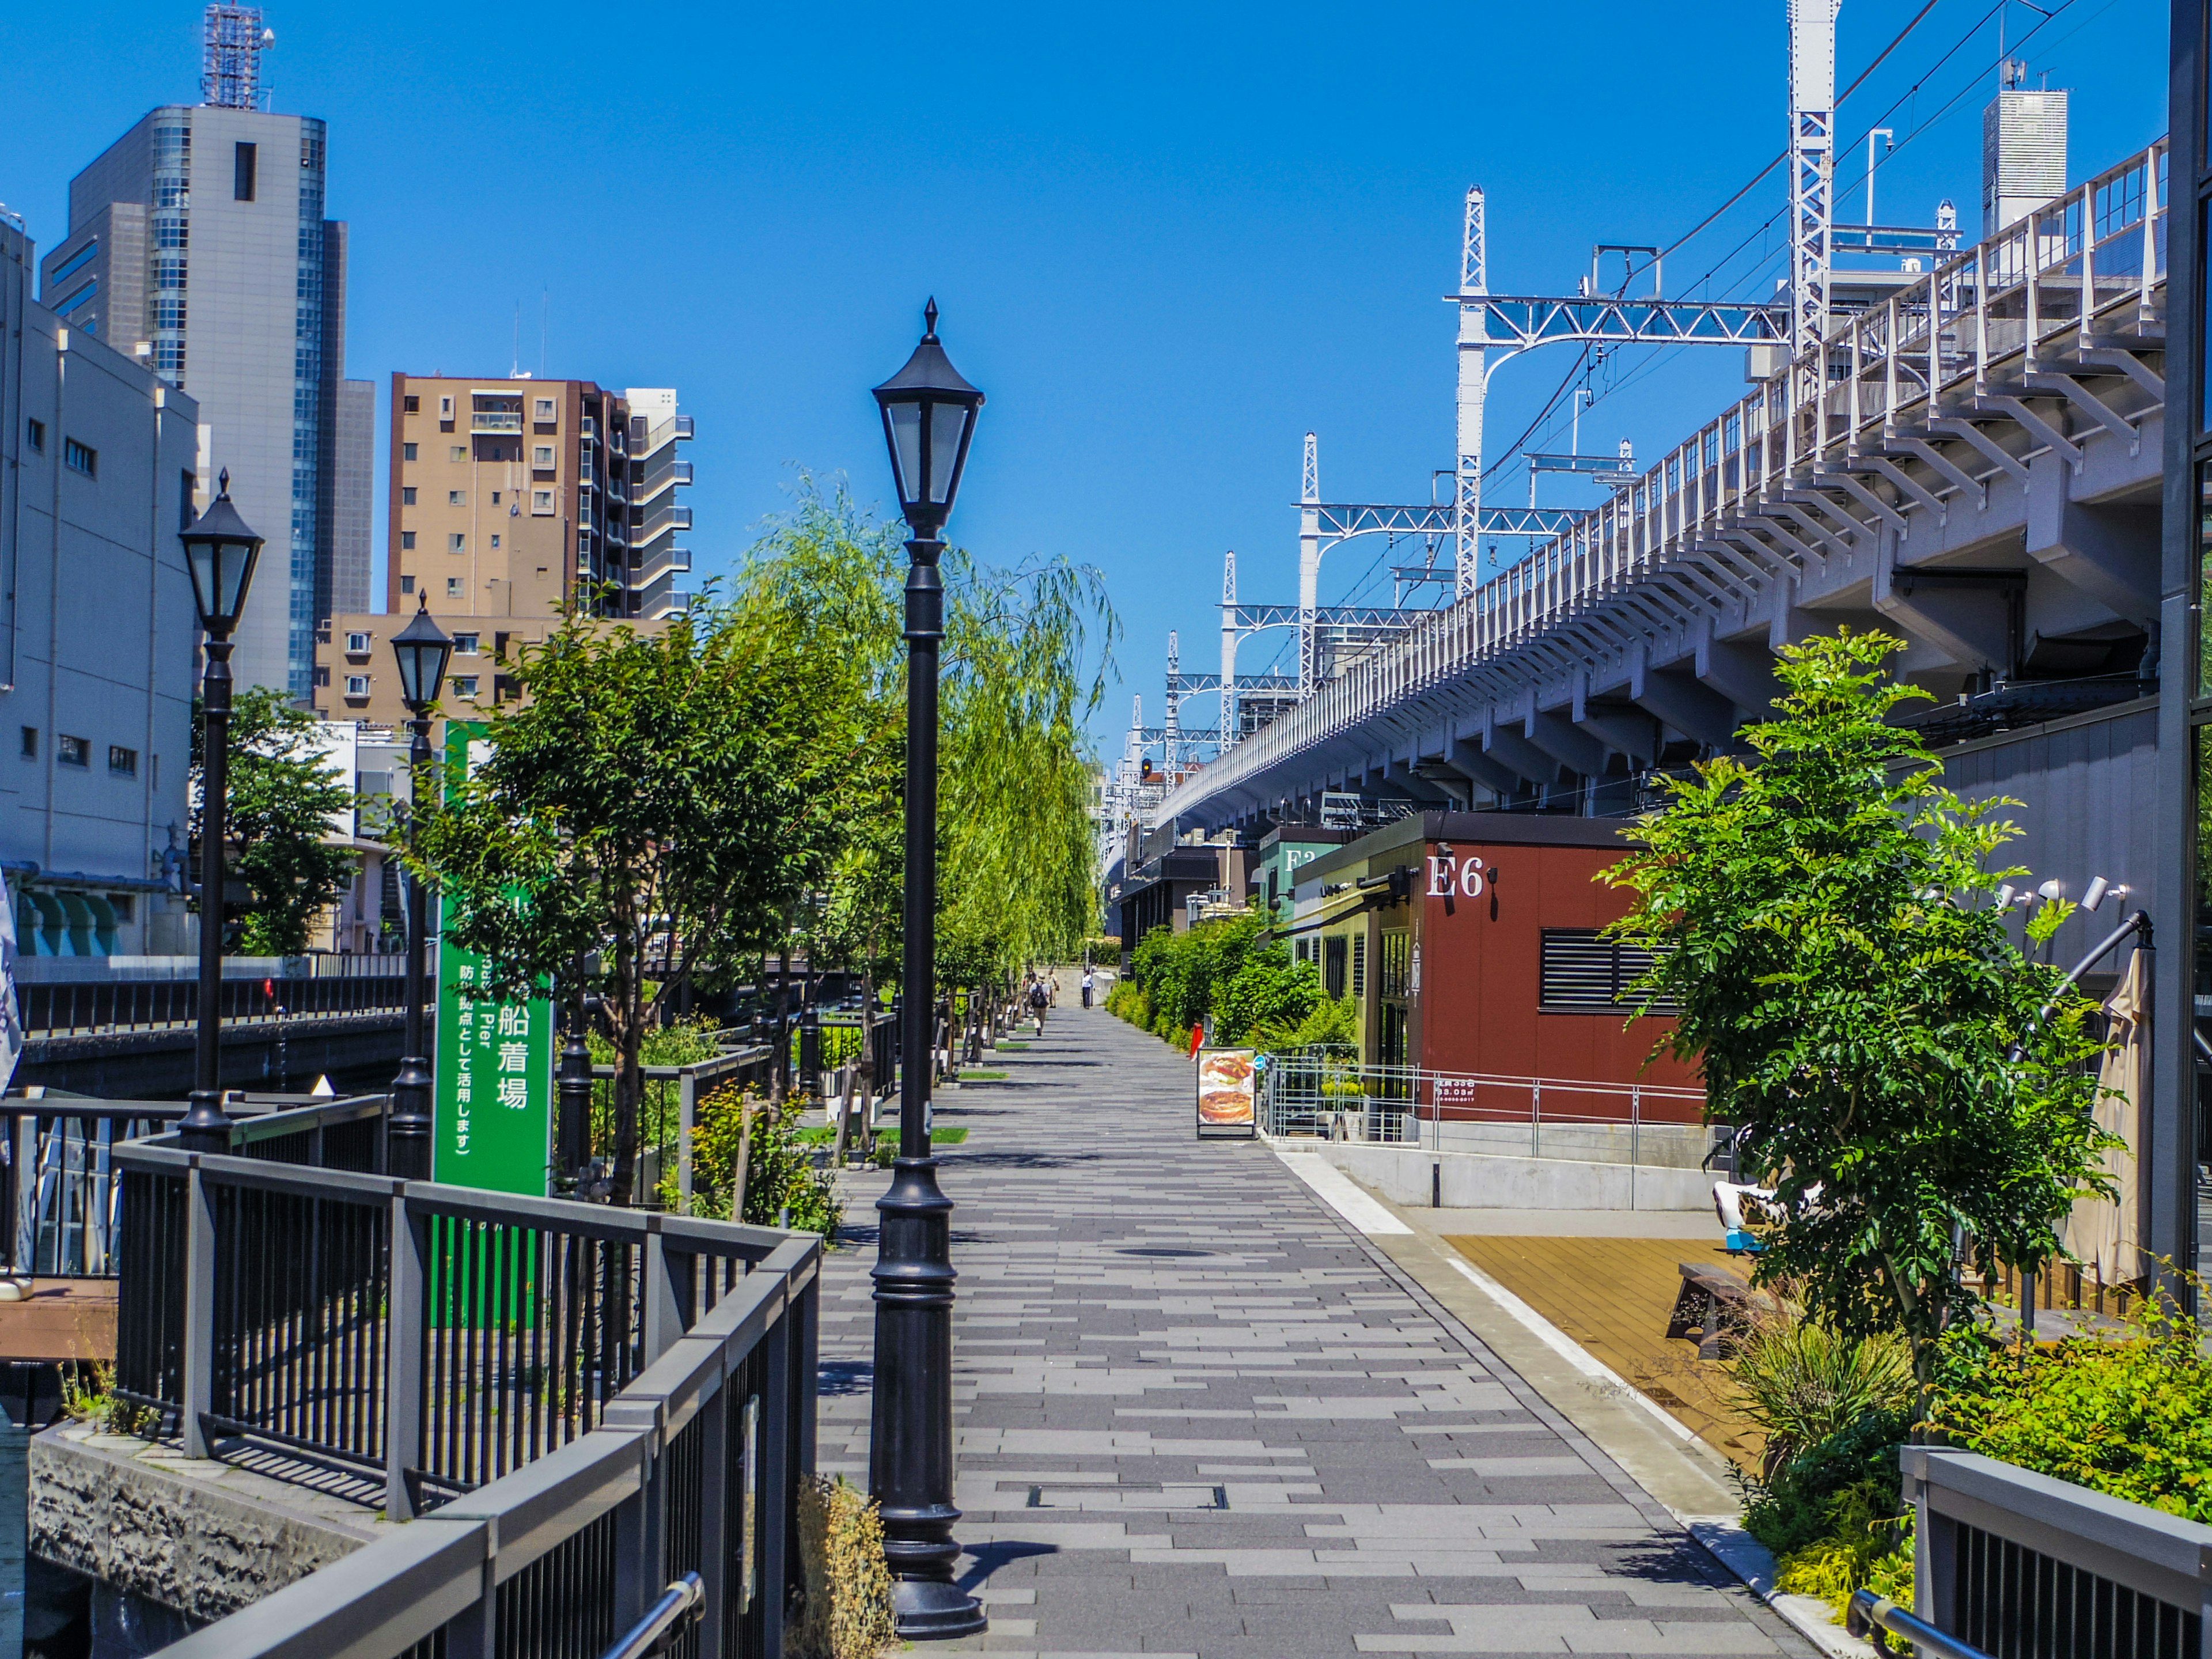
(495, 1059)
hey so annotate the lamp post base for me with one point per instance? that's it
(931, 1610)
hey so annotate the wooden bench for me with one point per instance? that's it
(1716, 1303)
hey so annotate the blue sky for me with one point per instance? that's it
(1167, 241)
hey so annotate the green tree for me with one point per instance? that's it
(1822, 919)
(633, 813)
(283, 796)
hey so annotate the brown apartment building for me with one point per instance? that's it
(510, 497)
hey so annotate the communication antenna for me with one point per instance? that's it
(231, 40)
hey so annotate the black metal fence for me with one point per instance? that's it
(91, 1008)
(2018, 1566)
(692, 1466)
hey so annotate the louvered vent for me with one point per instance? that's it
(1584, 972)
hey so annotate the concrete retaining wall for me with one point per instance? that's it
(1473, 1180)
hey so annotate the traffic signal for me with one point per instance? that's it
(1147, 773)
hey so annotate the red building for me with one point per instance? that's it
(1471, 945)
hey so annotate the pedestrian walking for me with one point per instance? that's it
(1039, 997)
(1087, 987)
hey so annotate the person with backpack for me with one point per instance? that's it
(1039, 997)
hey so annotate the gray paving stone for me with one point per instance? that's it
(1149, 1324)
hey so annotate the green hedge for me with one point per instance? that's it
(1235, 976)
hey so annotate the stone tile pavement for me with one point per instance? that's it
(1198, 1415)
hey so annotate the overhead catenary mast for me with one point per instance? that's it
(1812, 172)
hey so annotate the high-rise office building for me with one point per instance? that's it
(197, 243)
(510, 498)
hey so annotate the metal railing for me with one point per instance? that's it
(1331, 1095)
(668, 1113)
(1990, 319)
(2018, 1566)
(691, 1471)
(92, 1007)
(430, 1338)
(62, 1189)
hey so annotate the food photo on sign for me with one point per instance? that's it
(1226, 1082)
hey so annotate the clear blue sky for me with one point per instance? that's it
(1167, 240)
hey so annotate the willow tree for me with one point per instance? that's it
(1024, 657)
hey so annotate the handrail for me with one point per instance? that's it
(2099, 242)
(677, 1605)
(1868, 1608)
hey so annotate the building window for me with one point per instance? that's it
(356, 686)
(407, 494)
(1397, 964)
(1583, 972)
(456, 542)
(407, 584)
(77, 262)
(244, 164)
(545, 409)
(465, 645)
(1334, 952)
(407, 541)
(464, 685)
(457, 452)
(81, 457)
(121, 904)
(411, 406)
(38, 434)
(407, 452)
(72, 751)
(541, 502)
(169, 311)
(541, 455)
(124, 762)
(322, 677)
(357, 644)
(457, 498)
(494, 498)
(1358, 965)
(30, 743)
(454, 589)
(494, 542)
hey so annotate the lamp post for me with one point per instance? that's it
(220, 551)
(422, 650)
(929, 414)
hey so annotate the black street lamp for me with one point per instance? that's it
(220, 551)
(422, 650)
(929, 414)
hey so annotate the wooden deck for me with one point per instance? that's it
(62, 1319)
(1614, 1295)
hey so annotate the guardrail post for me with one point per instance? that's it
(663, 1312)
(409, 1237)
(640, 1576)
(195, 1380)
(779, 1513)
(717, 1551)
(687, 1109)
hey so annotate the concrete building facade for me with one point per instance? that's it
(510, 499)
(197, 245)
(98, 634)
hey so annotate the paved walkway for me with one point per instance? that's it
(1198, 1415)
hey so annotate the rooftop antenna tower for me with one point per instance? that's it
(232, 41)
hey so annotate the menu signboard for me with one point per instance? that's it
(1228, 1082)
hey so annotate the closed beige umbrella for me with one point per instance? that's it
(2104, 1235)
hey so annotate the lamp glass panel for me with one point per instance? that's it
(906, 449)
(236, 570)
(946, 422)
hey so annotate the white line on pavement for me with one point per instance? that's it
(1559, 1342)
(1336, 1189)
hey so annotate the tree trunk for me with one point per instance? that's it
(745, 1109)
(779, 1070)
(629, 1070)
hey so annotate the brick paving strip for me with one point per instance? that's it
(1198, 1415)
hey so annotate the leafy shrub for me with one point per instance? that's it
(1867, 1544)
(682, 1043)
(845, 1610)
(1268, 992)
(1801, 1384)
(780, 1175)
(1789, 1508)
(2129, 1415)
(1327, 1023)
